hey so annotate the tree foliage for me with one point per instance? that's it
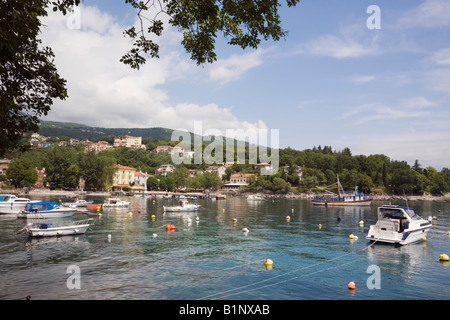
(28, 78)
(243, 23)
(22, 172)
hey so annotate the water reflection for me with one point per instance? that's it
(200, 258)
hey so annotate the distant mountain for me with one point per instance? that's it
(81, 131)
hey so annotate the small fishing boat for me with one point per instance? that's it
(183, 206)
(52, 229)
(97, 206)
(10, 203)
(115, 203)
(399, 225)
(39, 210)
(357, 198)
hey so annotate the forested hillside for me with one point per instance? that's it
(304, 171)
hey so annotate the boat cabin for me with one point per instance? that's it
(41, 206)
(5, 197)
(396, 218)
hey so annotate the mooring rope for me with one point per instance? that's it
(285, 274)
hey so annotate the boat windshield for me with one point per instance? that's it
(412, 213)
(4, 198)
(392, 213)
(399, 213)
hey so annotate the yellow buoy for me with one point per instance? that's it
(448, 233)
(353, 237)
(320, 226)
(234, 220)
(268, 262)
(288, 218)
(443, 257)
(361, 223)
(424, 238)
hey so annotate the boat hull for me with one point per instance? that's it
(401, 238)
(365, 202)
(12, 208)
(59, 231)
(47, 214)
(181, 209)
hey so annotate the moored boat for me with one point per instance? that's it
(183, 206)
(357, 198)
(255, 197)
(10, 203)
(39, 210)
(78, 203)
(52, 229)
(398, 225)
(354, 199)
(97, 206)
(115, 203)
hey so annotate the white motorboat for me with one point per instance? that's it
(10, 203)
(78, 203)
(51, 230)
(399, 225)
(183, 206)
(255, 197)
(39, 210)
(115, 203)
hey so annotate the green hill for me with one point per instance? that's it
(81, 131)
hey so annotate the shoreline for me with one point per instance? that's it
(289, 195)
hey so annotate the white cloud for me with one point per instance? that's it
(361, 79)
(438, 80)
(429, 14)
(428, 147)
(232, 68)
(441, 57)
(351, 41)
(104, 92)
(336, 47)
(416, 107)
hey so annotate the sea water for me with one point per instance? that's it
(128, 254)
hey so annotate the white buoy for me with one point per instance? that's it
(155, 235)
(109, 238)
(245, 230)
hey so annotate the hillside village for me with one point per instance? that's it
(120, 161)
(127, 178)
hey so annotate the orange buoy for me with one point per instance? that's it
(170, 227)
(351, 285)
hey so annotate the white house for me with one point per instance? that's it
(164, 169)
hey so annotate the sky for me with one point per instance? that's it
(346, 75)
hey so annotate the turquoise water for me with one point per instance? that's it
(213, 259)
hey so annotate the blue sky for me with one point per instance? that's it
(331, 81)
